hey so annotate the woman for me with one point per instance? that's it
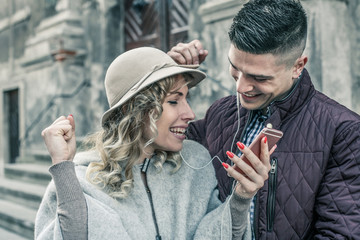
(133, 184)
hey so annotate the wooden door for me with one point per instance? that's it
(157, 23)
(12, 118)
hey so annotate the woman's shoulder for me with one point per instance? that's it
(197, 165)
(191, 147)
(86, 157)
(195, 154)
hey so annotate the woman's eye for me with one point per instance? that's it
(172, 102)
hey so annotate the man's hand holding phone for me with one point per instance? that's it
(252, 168)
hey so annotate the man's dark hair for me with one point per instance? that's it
(278, 27)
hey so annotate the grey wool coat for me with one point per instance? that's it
(186, 204)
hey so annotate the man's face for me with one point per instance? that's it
(259, 79)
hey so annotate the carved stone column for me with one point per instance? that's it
(55, 82)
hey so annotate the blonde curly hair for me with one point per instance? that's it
(121, 142)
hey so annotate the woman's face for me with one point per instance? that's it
(174, 119)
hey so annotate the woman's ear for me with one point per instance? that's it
(299, 66)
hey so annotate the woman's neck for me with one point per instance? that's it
(143, 157)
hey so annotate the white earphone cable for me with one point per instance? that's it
(232, 144)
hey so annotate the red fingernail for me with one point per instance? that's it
(265, 139)
(71, 115)
(225, 165)
(240, 145)
(230, 154)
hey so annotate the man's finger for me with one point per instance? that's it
(183, 49)
(177, 57)
(202, 53)
(203, 56)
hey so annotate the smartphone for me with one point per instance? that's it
(273, 136)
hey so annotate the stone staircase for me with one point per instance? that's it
(21, 191)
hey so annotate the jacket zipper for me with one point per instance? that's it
(270, 211)
(144, 179)
(256, 218)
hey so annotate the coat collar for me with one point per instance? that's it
(282, 110)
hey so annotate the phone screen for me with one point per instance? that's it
(273, 136)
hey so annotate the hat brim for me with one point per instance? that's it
(163, 73)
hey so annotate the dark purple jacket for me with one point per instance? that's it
(314, 192)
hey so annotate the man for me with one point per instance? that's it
(313, 190)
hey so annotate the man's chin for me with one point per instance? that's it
(250, 106)
(255, 105)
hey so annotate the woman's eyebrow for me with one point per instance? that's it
(176, 93)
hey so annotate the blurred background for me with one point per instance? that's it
(54, 55)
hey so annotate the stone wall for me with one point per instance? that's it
(210, 25)
(330, 48)
(333, 49)
(354, 13)
(57, 65)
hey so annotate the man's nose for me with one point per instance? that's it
(243, 84)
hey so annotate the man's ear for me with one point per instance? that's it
(299, 66)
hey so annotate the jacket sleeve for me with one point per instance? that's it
(197, 130)
(63, 211)
(337, 204)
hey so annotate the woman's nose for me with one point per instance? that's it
(188, 113)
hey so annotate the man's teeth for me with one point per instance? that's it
(178, 131)
(249, 95)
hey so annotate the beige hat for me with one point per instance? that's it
(135, 69)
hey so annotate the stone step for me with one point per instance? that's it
(6, 235)
(20, 192)
(28, 172)
(17, 219)
(37, 157)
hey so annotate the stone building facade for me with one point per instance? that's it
(54, 55)
(37, 85)
(41, 86)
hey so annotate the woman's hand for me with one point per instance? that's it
(59, 138)
(250, 178)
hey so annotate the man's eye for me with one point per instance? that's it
(260, 79)
(172, 102)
